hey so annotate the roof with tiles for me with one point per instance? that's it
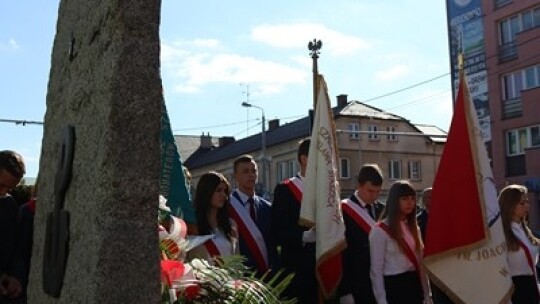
(294, 130)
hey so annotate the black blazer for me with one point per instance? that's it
(356, 259)
(296, 257)
(422, 219)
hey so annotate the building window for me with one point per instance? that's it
(354, 129)
(292, 168)
(415, 170)
(372, 135)
(519, 139)
(532, 77)
(508, 28)
(391, 137)
(512, 85)
(285, 169)
(344, 168)
(394, 169)
(535, 136)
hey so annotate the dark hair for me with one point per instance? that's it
(370, 173)
(13, 163)
(206, 187)
(303, 147)
(244, 158)
(509, 197)
(392, 211)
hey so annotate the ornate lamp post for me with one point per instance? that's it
(315, 49)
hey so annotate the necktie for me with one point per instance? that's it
(369, 208)
(251, 206)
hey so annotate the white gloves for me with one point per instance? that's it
(309, 236)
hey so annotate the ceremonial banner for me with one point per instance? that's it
(320, 201)
(465, 250)
(172, 182)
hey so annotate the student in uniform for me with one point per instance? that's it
(360, 212)
(396, 251)
(522, 245)
(252, 215)
(296, 243)
(12, 170)
(211, 202)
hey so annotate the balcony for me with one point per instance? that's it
(515, 165)
(512, 108)
(508, 51)
(501, 3)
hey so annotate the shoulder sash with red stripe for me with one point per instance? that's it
(32, 205)
(360, 216)
(212, 248)
(295, 185)
(249, 232)
(409, 253)
(217, 248)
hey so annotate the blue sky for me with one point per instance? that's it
(213, 51)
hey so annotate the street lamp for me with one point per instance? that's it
(263, 144)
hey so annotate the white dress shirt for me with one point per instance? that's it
(517, 260)
(368, 207)
(244, 198)
(226, 247)
(388, 259)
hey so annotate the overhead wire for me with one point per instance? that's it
(489, 77)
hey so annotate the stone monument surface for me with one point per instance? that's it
(105, 83)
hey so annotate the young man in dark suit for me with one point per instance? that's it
(12, 169)
(252, 215)
(297, 243)
(422, 216)
(360, 213)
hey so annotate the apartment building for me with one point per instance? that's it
(512, 35)
(365, 135)
(500, 40)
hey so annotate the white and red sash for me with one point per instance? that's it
(358, 214)
(296, 186)
(409, 252)
(530, 260)
(216, 248)
(212, 248)
(249, 232)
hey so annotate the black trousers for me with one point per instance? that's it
(404, 288)
(525, 290)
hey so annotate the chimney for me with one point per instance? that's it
(225, 140)
(342, 100)
(273, 124)
(206, 141)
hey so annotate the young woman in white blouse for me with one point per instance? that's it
(211, 200)
(522, 245)
(396, 251)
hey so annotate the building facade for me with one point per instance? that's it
(512, 44)
(365, 135)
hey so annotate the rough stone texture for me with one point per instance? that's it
(110, 90)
